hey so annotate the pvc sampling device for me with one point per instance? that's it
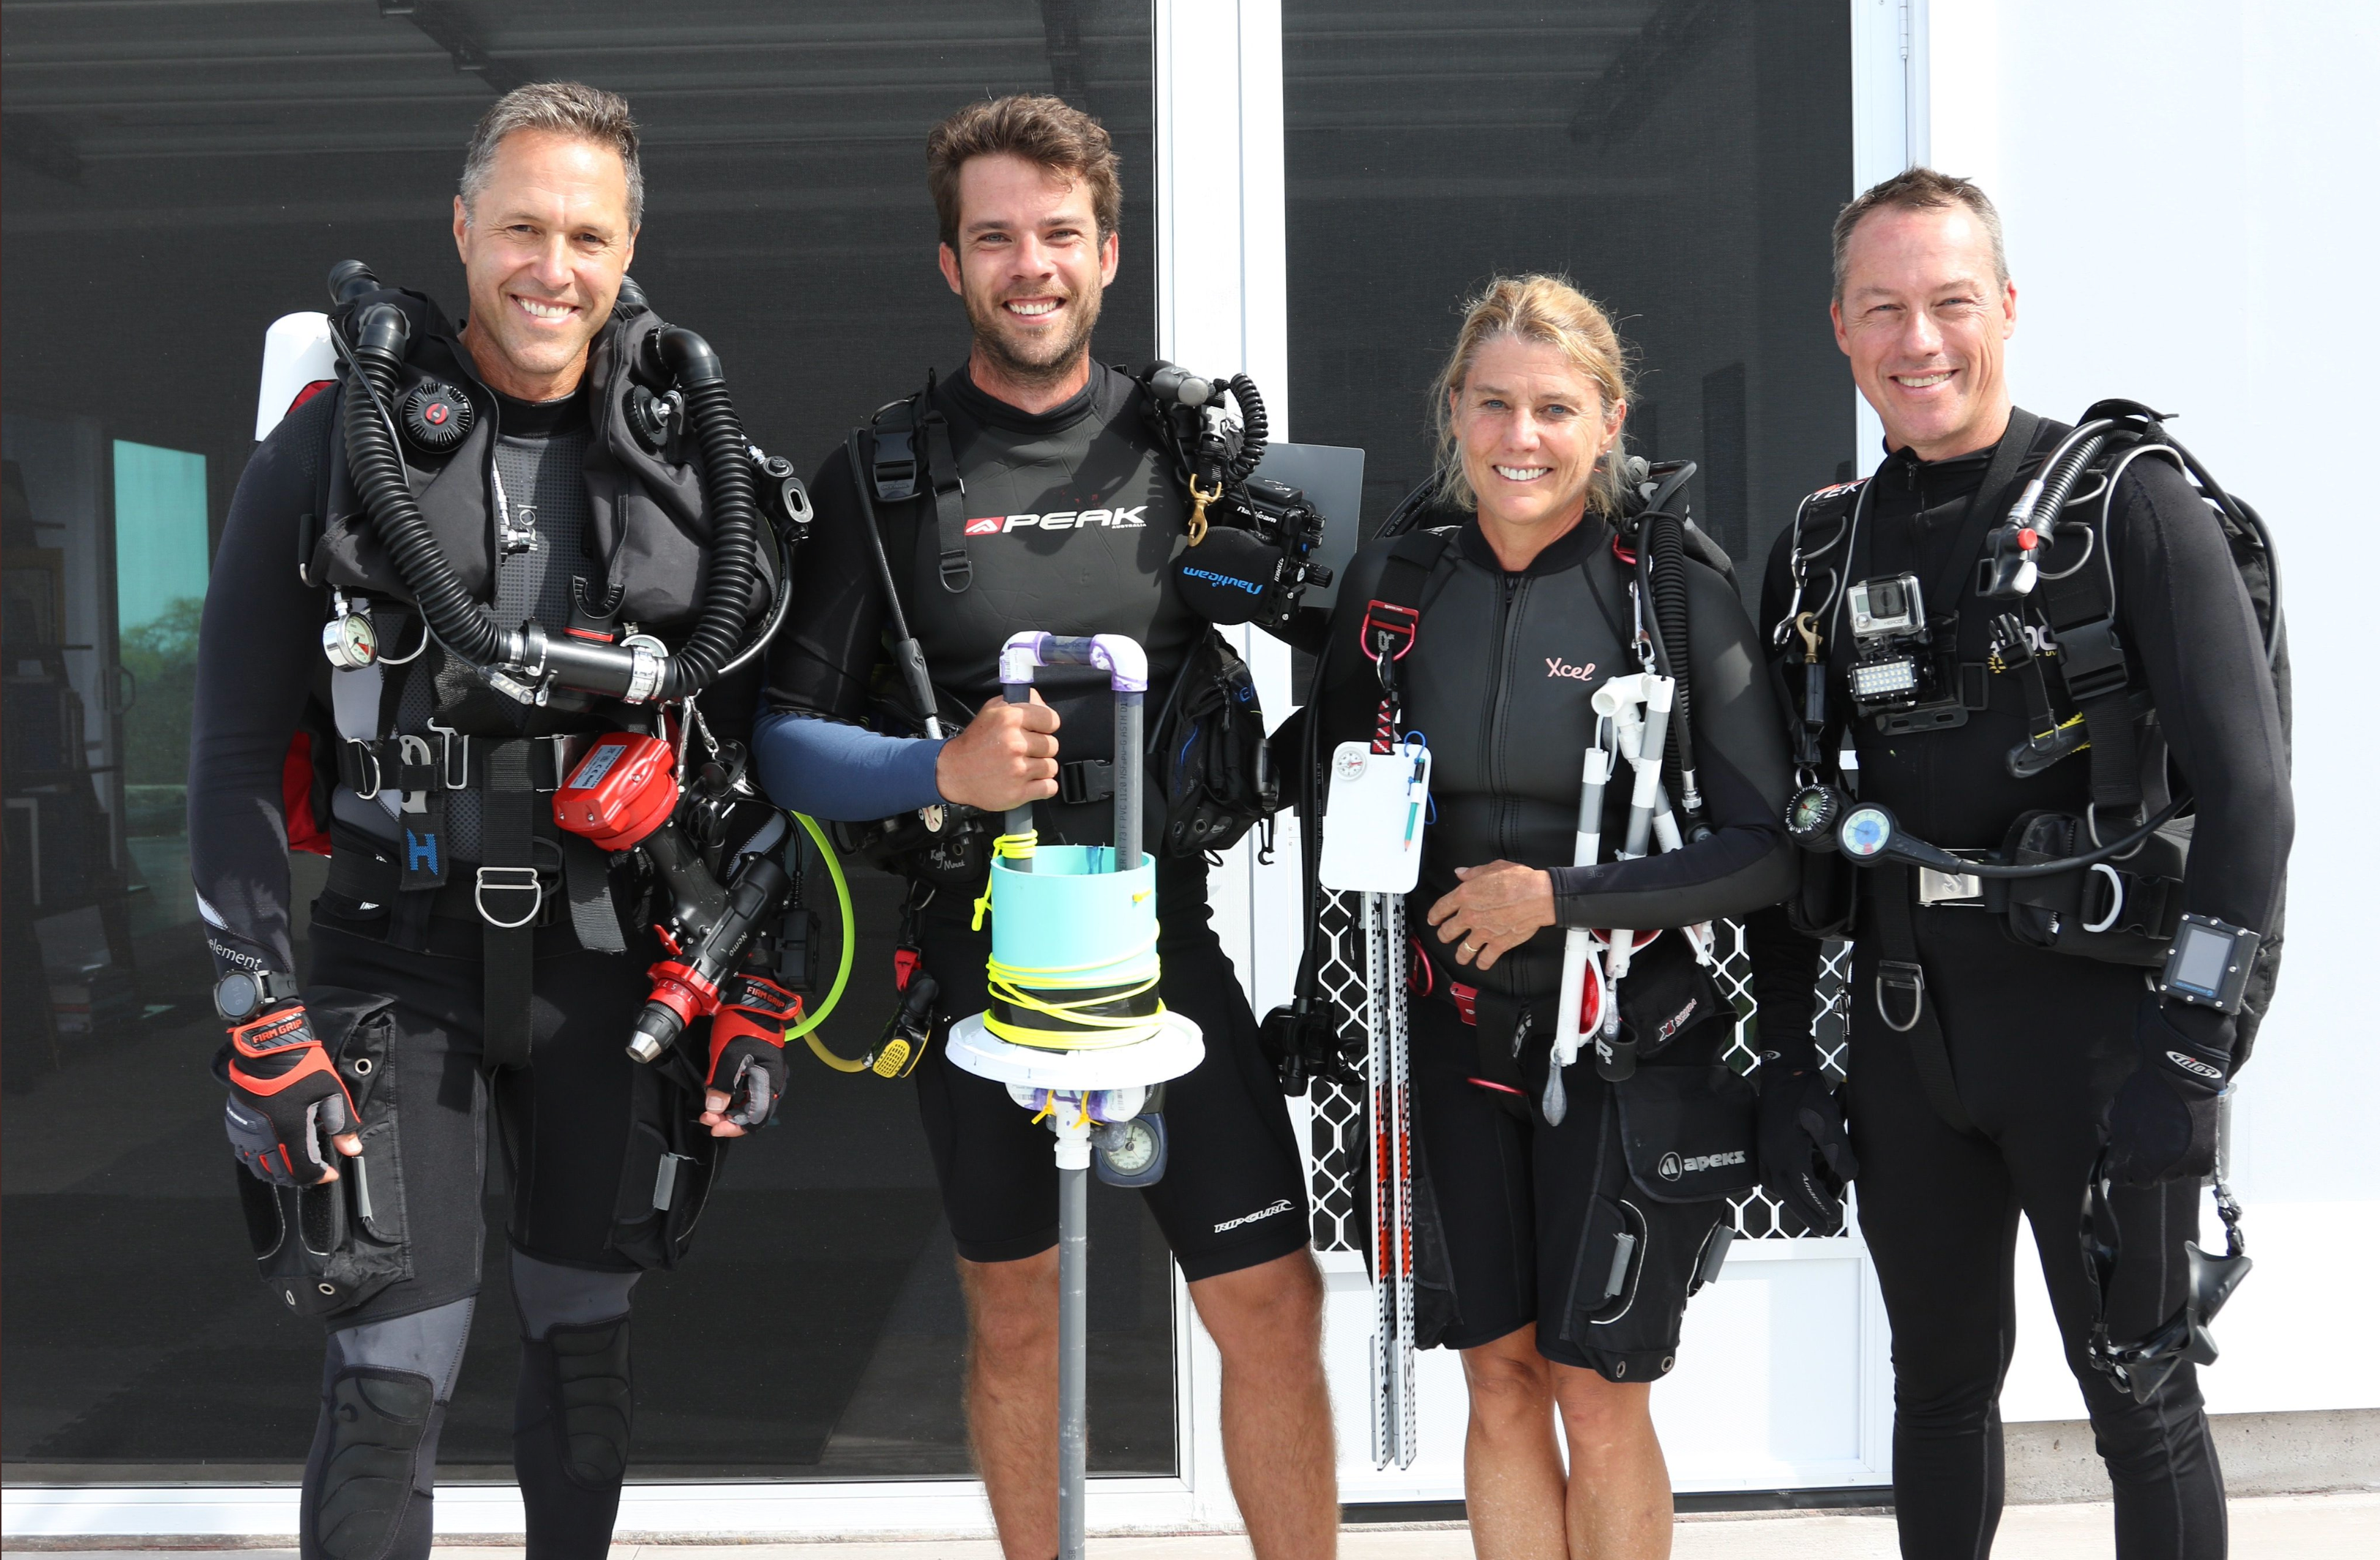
(1076, 1028)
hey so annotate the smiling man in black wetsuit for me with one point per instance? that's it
(1068, 518)
(443, 989)
(2040, 1056)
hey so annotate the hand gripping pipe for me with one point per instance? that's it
(635, 674)
(1127, 668)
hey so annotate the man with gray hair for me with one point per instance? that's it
(2022, 680)
(471, 955)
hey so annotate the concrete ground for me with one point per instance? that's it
(2328, 1527)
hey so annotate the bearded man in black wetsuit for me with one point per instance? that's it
(2036, 1058)
(1070, 515)
(451, 979)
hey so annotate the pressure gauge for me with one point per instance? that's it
(1131, 1153)
(349, 642)
(1867, 832)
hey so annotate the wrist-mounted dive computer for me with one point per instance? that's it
(2209, 962)
(243, 994)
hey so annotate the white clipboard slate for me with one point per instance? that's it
(1372, 825)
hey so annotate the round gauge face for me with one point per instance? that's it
(235, 996)
(1866, 832)
(1810, 817)
(1132, 1151)
(350, 642)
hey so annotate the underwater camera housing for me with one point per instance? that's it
(1903, 673)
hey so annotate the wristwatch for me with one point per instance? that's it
(243, 994)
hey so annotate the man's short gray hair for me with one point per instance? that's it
(1921, 190)
(567, 108)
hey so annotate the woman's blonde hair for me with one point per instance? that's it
(1534, 308)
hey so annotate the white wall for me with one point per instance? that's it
(2186, 186)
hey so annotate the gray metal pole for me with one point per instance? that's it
(1074, 1344)
(1128, 773)
(1019, 819)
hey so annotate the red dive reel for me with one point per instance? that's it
(624, 795)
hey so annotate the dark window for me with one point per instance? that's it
(178, 177)
(1679, 161)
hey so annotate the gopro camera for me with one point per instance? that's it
(1900, 676)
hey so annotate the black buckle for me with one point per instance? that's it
(958, 569)
(2091, 660)
(1087, 779)
(895, 467)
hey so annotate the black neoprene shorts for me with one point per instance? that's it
(1530, 1215)
(569, 1124)
(1234, 1193)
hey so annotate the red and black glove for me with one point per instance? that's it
(287, 1099)
(747, 1050)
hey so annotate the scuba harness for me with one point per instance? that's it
(1653, 538)
(578, 736)
(2068, 884)
(1249, 560)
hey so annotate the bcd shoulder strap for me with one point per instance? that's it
(913, 454)
(2081, 612)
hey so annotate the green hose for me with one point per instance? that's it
(843, 971)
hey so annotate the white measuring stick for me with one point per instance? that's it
(1395, 1422)
(1656, 693)
(1578, 944)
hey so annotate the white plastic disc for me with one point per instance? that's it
(1173, 1050)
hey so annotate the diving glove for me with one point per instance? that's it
(1805, 1154)
(286, 1099)
(2161, 1124)
(747, 1053)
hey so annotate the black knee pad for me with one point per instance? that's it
(584, 1372)
(369, 1478)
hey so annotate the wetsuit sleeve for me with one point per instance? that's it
(260, 649)
(834, 769)
(2187, 620)
(1746, 862)
(813, 755)
(1784, 963)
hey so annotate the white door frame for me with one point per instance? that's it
(1222, 307)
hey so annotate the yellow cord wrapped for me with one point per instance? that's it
(1007, 982)
(1015, 846)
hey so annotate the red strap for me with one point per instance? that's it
(1388, 621)
(298, 818)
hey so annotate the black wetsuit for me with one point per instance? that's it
(1499, 679)
(394, 993)
(1072, 515)
(2038, 1042)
